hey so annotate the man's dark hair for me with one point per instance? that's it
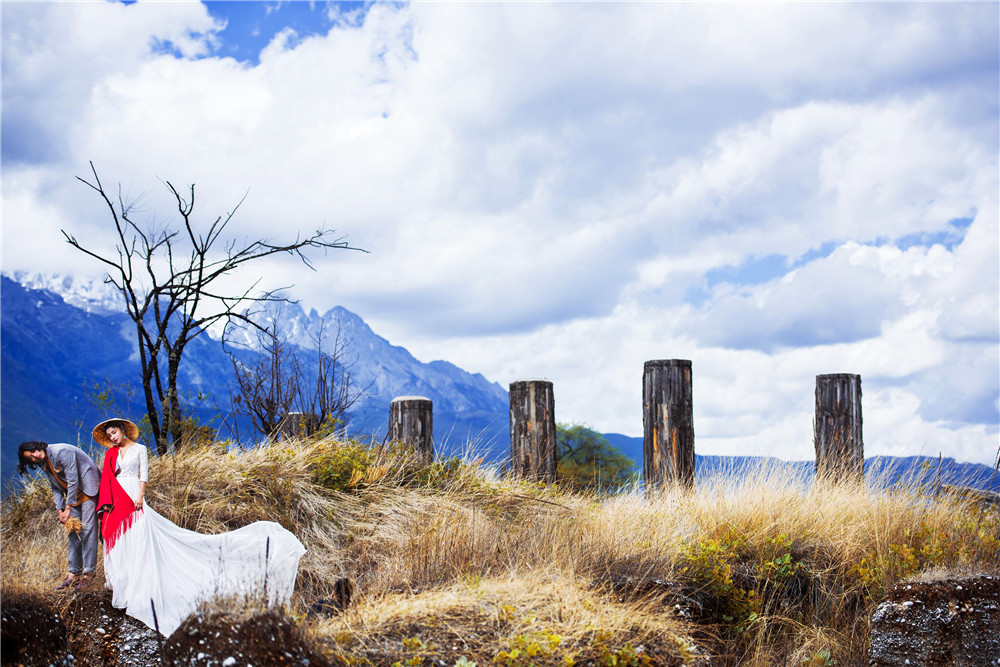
(29, 446)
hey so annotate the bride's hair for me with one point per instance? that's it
(118, 424)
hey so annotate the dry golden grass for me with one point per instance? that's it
(454, 560)
(538, 617)
(33, 553)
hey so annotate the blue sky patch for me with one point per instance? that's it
(250, 26)
(813, 254)
(755, 271)
(165, 47)
(697, 296)
(948, 237)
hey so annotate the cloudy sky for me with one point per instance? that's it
(566, 190)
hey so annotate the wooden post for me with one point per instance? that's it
(668, 424)
(840, 451)
(298, 425)
(533, 430)
(411, 421)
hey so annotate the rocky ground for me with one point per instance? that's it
(949, 622)
(953, 623)
(92, 633)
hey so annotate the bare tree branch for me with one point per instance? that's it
(276, 378)
(179, 298)
(267, 385)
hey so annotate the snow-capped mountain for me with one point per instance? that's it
(90, 295)
(59, 335)
(466, 406)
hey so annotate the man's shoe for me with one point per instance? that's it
(67, 582)
(81, 585)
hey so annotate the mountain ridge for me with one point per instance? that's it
(52, 346)
(59, 335)
(880, 470)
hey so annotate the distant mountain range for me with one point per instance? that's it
(879, 470)
(59, 336)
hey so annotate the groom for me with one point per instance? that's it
(75, 480)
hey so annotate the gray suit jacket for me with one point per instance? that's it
(74, 466)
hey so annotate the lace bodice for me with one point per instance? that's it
(133, 462)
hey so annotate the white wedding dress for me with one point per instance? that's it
(175, 568)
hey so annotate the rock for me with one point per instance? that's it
(139, 644)
(123, 642)
(953, 622)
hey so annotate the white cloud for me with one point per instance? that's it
(55, 53)
(544, 186)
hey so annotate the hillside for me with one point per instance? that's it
(53, 346)
(455, 565)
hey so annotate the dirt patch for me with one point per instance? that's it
(90, 632)
(947, 590)
(221, 639)
(80, 629)
(31, 632)
(954, 622)
(100, 634)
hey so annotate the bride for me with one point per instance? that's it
(154, 566)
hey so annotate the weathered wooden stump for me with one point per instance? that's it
(533, 430)
(298, 425)
(840, 451)
(668, 424)
(411, 421)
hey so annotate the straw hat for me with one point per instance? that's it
(131, 431)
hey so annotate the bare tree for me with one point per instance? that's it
(268, 383)
(333, 392)
(273, 380)
(170, 281)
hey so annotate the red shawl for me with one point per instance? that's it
(115, 505)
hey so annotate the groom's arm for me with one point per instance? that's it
(55, 460)
(71, 469)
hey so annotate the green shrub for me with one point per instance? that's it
(709, 564)
(343, 465)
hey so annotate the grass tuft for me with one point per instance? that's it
(455, 561)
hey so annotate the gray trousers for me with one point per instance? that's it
(83, 545)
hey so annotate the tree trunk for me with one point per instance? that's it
(153, 415)
(411, 421)
(533, 430)
(172, 411)
(668, 424)
(840, 451)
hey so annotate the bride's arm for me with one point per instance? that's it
(143, 475)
